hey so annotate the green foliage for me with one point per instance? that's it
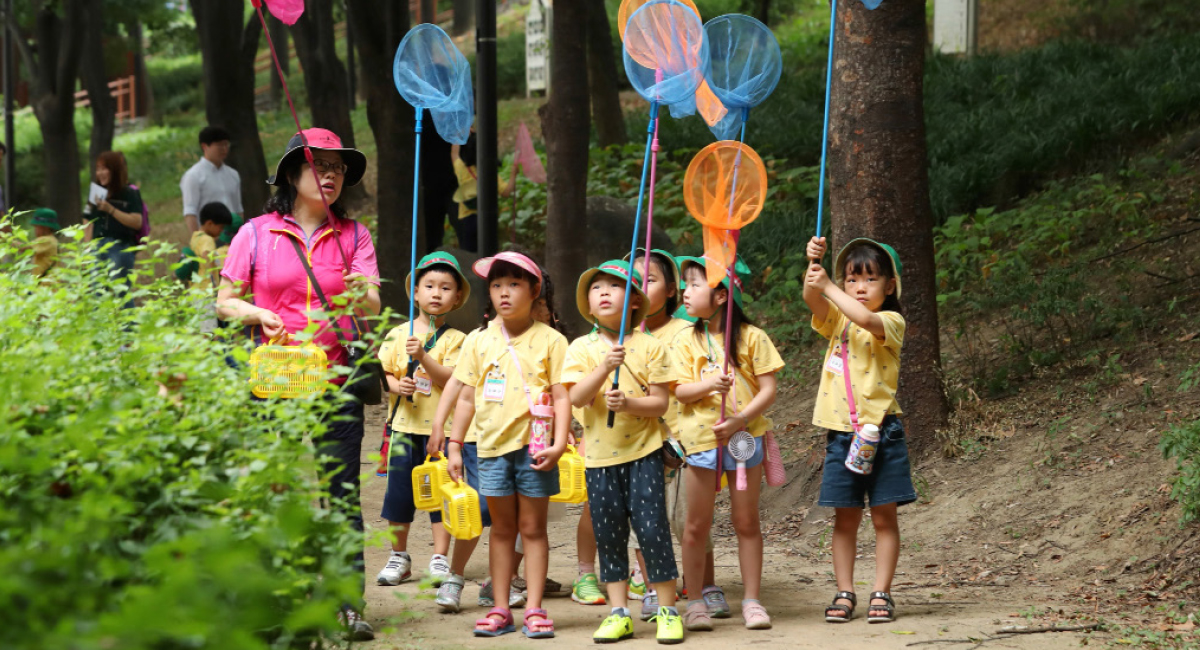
(149, 502)
(1182, 442)
(177, 83)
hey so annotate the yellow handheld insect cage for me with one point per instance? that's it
(427, 480)
(461, 513)
(288, 371)
(572, 487)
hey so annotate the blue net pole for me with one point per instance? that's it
(825, 130)
(412, 268)
(637, 225)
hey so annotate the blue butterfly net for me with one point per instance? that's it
(745, 61)
(666, 54)
(431, 74)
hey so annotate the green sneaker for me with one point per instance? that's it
(614, 628)
(636, 588)
(586, 590)
(670, 627)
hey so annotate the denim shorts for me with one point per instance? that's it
(890, 481)
(510, 474)
(708, 459)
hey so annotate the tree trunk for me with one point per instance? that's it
(879, 178)
(53, 66)
(565, 127)
(428, 11)
(378, 27)
(764, 11)
(228, 49)
(145, 97)
(602, 78)
(464, 17)
(279, 35)
(95, 80)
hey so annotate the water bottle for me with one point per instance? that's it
(861, 459)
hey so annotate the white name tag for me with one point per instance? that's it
(834, 364)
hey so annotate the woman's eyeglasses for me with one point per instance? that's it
(326, 166)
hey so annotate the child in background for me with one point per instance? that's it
(662, 292)
(865, 329)
(698, 354)
(625, 470)
(416, 372)
(45, 243)
(214, 218)
(510, 365)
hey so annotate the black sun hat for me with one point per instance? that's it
(322, 140)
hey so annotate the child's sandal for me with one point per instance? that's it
(491, 626)
(847, 612)
(890, 608)
(538, 629)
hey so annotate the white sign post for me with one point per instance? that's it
(537, 48)
(954, 26)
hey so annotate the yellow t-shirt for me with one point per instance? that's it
(45, 254)
(468, 187)
(700, 357)
(501, 409)
(632, 437)
(417, 416)
(667, 334)
(874, 371)
(204, 247)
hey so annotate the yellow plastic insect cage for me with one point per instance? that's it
(427, 480)
(572, 487)
(461, 513)
(288, 371)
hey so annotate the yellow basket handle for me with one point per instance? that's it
(282, 339)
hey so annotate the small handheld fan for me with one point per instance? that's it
(741, 447)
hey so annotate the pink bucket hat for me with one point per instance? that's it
(322, 140)
(484, 266)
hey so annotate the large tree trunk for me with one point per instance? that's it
(428, 10)
(228, 49)
(378, 27)
(95, 81)
(145, 97)
(565, 127)
(53, 69)
(279, 36)
(879, 177)
(464, 17)
(602, 78)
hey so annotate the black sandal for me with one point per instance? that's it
(890, 608)
(848, 611)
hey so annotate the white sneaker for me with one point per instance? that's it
(439, 569)
(397, 570)
(449, 595)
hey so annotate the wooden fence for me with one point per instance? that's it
(124, 90)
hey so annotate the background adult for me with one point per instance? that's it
(210, 180)
(263, 261)
(115, 220)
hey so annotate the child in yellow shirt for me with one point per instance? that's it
(625, 471)
(510, 366)
(862, 321)
(704, 430)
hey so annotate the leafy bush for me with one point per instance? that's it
(1182, 442)
(177, 83)
(148, 502)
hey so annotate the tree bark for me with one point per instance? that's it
(602, 78)
(279, 35)
(428, 11)
(464, 17)
(879, 184)
(228, 49)
(565, 126)
(94, 77)
(145, 96)
(378, 27)
(53, 61)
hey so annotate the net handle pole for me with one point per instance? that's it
(825, 128)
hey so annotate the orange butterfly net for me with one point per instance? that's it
(725, 185)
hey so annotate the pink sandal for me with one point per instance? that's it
(496, 626)
(538, 629)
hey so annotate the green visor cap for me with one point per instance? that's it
(674, 262)
(839, 266)
(44, 217)
(442, 258)
(618, 269)
(740, 267)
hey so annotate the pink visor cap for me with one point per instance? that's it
(484, 266)
(321, 140)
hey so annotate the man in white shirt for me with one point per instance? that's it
(210, 180)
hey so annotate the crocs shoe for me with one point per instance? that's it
(397, 570)
(614, 628)
(670, 627)
(714, 598)
(649, 606)
(449, 594)
(586, 590)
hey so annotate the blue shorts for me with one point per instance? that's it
(511, 474)
(889, 482)
(470, 457)
(708, 459)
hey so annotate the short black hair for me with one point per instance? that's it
(444, 268)
(211, 134)
(217, 213)
(668, 268)
(872, 260)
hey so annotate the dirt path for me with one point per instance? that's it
(796, 590)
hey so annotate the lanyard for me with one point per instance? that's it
(846, 375)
